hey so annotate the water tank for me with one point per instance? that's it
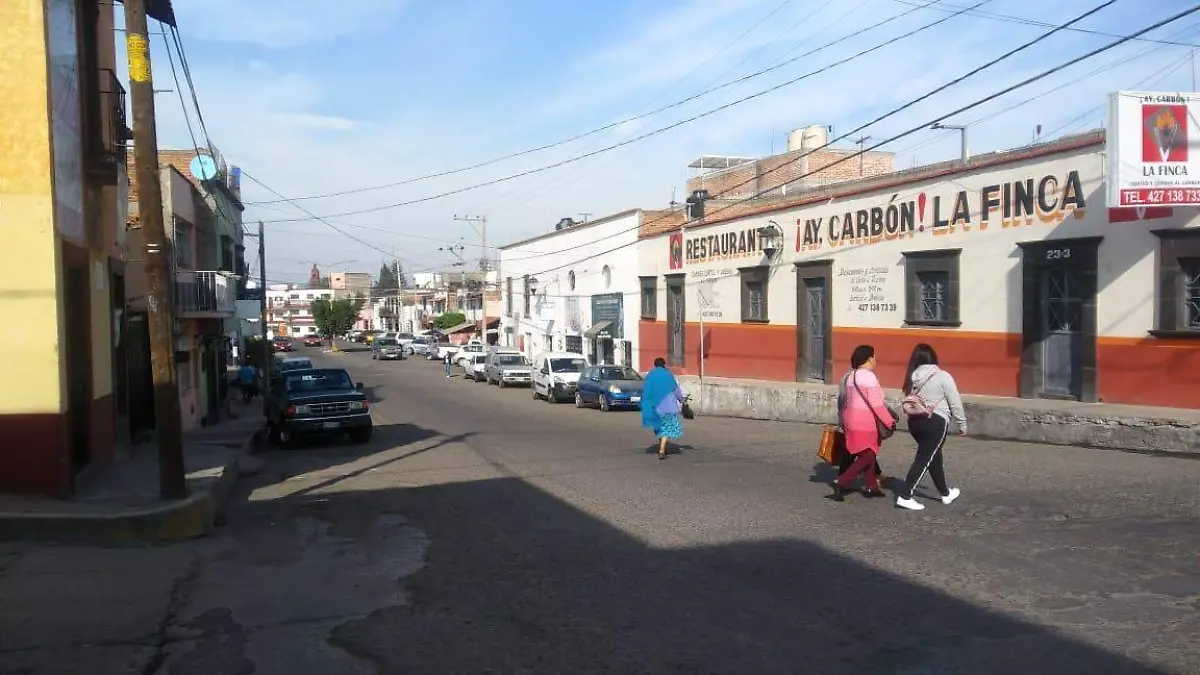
(814, 137)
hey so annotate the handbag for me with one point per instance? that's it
(833, 444)
(885, 430)
(687, 412)
(915, 406)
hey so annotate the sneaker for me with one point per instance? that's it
(909, 503)
(954, 493)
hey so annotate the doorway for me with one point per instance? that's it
(814, 339)
(77, 349)
(141, 376)
(1059, 289)
(676, 320)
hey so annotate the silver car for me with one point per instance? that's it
(508, 367)
(386, 349)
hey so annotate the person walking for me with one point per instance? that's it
(447, 361)
(847, 458)
(866, 419)
(662, 403)
(248, 380)
(932, 403)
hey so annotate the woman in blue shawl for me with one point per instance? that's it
(662, 401)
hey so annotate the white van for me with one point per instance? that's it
(556, 375)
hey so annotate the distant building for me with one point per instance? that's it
(353, 282)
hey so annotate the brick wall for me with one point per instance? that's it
(793, 170)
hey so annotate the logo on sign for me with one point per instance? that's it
(676, 251)
(1164, 133)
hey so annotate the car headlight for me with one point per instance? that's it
(358, 405)
(614, 389)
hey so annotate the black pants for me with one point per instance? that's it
(930, 435)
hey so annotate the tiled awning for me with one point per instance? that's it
(596, 329)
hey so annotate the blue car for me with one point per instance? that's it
(609, 387)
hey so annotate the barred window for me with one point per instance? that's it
(754, 293)
(932, 287)
(649, 298)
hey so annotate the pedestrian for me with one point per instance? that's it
(932, 403)
(847, 458)
(248, 380)
(446, 363)
(662, 403)
(867, 421)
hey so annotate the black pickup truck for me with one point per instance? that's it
(317, 401)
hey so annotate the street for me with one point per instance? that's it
(484, 532)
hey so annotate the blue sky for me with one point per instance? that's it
(319, 96)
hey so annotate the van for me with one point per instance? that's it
(507, 366)
(556, 375)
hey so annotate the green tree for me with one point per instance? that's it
(385, 282)
(336, 316)
(449, 320)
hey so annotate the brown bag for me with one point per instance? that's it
(833, 444)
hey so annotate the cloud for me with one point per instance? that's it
(309, 131)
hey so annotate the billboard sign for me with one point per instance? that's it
(1150, 158)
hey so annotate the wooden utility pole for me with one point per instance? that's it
(484, 264)
(262, 311)
(171, 480)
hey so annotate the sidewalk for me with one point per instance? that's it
(1097, 425)
(120, 503)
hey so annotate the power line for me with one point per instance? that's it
(635, 118)
(648, 134)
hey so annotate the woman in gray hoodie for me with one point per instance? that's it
(933, 404)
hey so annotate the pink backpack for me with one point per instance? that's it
(915, 406)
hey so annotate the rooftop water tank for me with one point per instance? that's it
(808, 138)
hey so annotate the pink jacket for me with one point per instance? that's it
(857, 418)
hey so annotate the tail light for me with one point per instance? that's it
(291, 411)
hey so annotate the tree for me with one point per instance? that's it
(449, 320)
(385, 283)
(336, 316)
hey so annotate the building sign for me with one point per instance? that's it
(722, 246)
(609, 307)
(1047, 199)
(1147, 146)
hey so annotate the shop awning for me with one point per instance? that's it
(598, 329)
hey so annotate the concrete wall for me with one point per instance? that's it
(868, 290)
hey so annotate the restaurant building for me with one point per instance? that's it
(1010, 265)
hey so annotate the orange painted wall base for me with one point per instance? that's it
(1150, 371)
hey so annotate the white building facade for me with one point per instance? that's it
(574, 290)
(1012, 267)
(289, 309)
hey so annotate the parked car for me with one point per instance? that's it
(281, 343)
(506, 366)
(445, 348)
(434, 351)
(319, 401)
(386, 349)
(609, 387)
(313, 341)
(295, 363)
(466, 352)
(556, 375)
(420, 346)
(405, 339)
(473, 367)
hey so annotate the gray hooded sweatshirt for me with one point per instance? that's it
(937, 388)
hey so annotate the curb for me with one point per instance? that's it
(194, 516)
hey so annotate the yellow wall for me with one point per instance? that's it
(29, 258)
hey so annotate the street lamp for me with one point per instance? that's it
(770, 238)
(962, 129)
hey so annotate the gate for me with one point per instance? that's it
(1062, 331)
(676, 316)
(815, 321)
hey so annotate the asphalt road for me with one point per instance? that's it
(484, 532)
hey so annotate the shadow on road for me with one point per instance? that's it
(519, 581)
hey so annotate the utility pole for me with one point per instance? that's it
(861, 142)
(262, 309)
(962, 130)
(172, 483)
(483, 266)
(585, 215)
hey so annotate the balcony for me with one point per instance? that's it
(108, 132)
(205, 295)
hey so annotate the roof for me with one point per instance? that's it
(575, 228)
(743, 208)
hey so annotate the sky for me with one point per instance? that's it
(312, 97)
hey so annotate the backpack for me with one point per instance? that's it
(915, 406)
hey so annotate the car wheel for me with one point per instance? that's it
(273, 434)
(604, 405)
(551, 397)
(579, 403)
(286, 439)
(362, 434)
(500, 383)
(533, 390)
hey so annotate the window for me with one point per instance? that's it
(508, 299)
(649, 298)
(754, 293)
(182, 243)
(931, 288)
(1178, 283)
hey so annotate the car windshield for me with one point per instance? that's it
(511, 360)
(567, 365)
(386, 342)
(296, 365)
(479, 359)
(619, 373)
(404, 336)
(319, 380)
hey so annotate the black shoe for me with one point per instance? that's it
(874, 494)
(839, 493)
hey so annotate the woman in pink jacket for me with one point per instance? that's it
(865, 412)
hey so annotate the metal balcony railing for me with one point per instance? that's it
(109, 131)
(205, 295)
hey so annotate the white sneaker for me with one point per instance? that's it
(909, 503)
(954, 493)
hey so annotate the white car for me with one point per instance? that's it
(444, 349)
(468, 351)
(556, 375)
(474, 368)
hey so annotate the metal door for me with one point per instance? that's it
(1062, 332)
(815, 325)
(675, 320)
